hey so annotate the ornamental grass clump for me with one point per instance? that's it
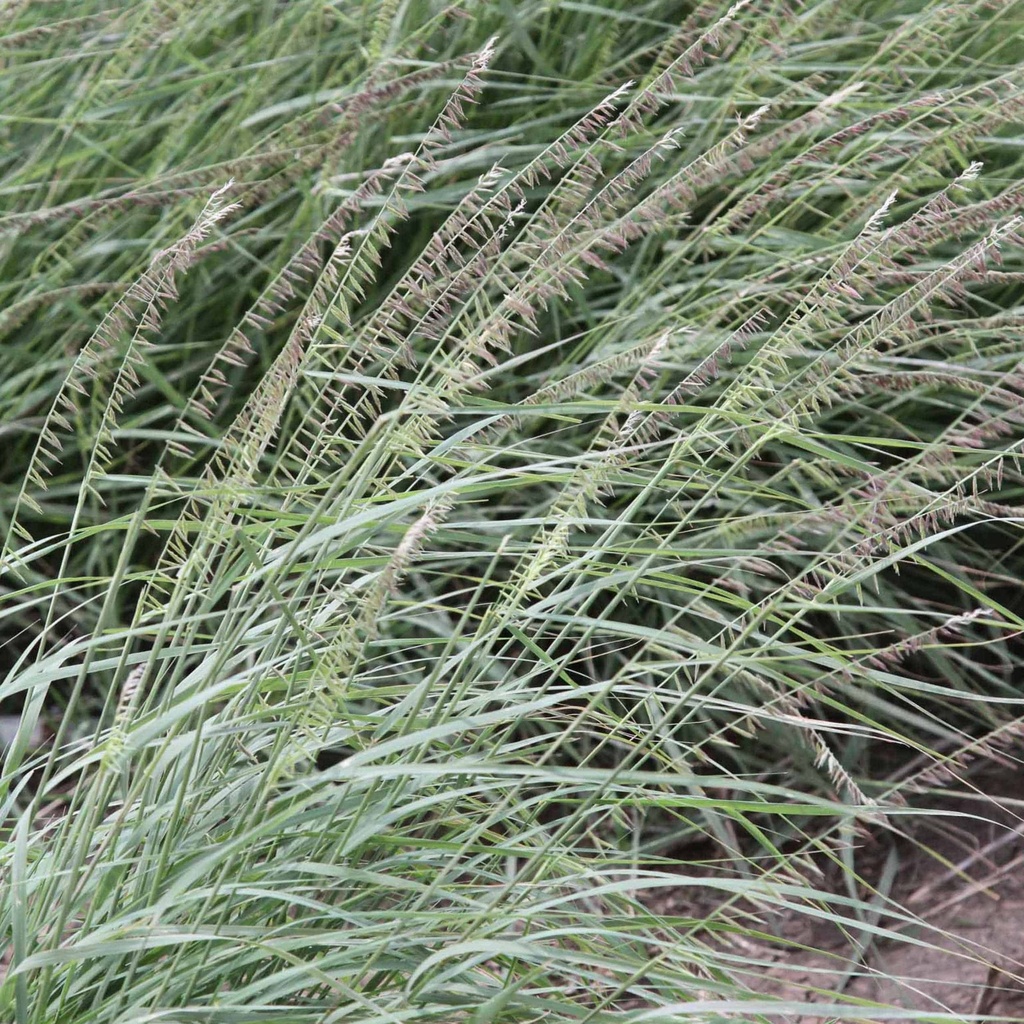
(505, 509)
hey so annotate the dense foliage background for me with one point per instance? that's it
(472, 469)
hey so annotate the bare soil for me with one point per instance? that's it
(958, 875)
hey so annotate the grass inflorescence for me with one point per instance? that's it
(474, 471)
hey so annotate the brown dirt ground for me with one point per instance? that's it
(960, 874)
